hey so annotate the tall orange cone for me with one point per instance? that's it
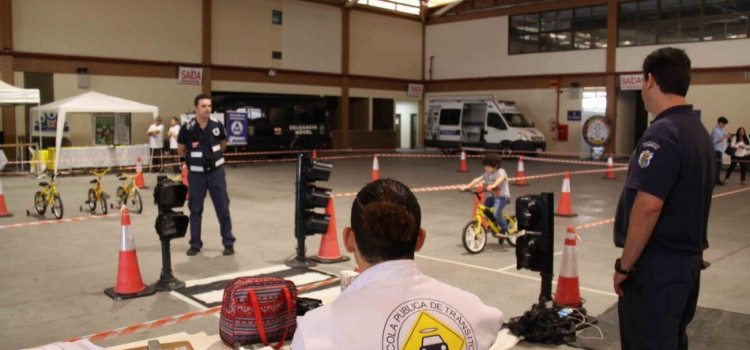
(521, 174)
(3, 209)
(329, 245)
(129, 283)
(568, 293)
(565, 208)
(375, 169)
(462, 167)
(610, 175)
(139, 175)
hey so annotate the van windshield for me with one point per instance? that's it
(517, 120)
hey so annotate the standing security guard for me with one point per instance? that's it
(202, 142)
(662, 218)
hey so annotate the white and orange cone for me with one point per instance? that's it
(565, 208)
(3, 209)
(139, 174)
(129, 282)
(375, 169)
(329, 252)
(568, 292)
(462, 167)
(610, 175)
(521, 174)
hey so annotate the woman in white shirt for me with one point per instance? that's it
(740, 143)
(174, 131)
(392, 305)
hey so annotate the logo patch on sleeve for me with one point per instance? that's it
(651, 144)
(215, 131)
(645, 159)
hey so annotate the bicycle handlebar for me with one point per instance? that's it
(105, 171)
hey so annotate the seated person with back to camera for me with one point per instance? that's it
(392, 305)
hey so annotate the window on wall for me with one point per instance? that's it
(561, 30)
(679, 21)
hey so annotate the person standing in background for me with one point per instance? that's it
(155, 135)
(174, 131)
(719, 137)
(739, 144)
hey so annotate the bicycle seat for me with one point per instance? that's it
(123, 178)
(43, 184)
(92, 181)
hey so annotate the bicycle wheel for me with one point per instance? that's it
(104, 204)
(40, 203)
(92, 199)
(122, 197)
(474, 237)
(137, 201)
(57, 207)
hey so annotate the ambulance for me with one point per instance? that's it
(480, 123)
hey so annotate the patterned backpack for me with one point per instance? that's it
(259, 309)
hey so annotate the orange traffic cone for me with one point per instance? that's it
(315, 154)
(610, 175)
(462, 168)
(129, 283)
(3, 209)
(329, 245)
(568, 293)
(139, 175)
(521, 174)
(565, 208)
(375, 169)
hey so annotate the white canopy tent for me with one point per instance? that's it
(11, 96)
(90, 102)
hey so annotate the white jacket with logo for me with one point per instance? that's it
(393, 306)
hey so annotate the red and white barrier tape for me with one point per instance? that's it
(580, 162)
(101, 336)
(61, 221)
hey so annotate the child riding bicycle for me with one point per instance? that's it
(494, 180)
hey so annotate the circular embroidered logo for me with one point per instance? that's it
(427, 324)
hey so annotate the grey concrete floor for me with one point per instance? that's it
(52, 276)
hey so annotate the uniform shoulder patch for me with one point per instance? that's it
(651, 144)
(644, 160)
(215, 131)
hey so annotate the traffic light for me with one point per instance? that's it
(311, 197)
(308, 198)
(535, 215)
(167, 196)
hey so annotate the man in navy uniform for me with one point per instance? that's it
(662, 217)
(201, 142)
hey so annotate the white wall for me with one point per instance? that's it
(726, 53)
(479, 48)
(384, 46)
(730, 101)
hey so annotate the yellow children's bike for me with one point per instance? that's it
(97, 194)
(474, 235)
(48, 196)
(129, 194)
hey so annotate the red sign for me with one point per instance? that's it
(415, 90)
(631, 81)
(190, 75)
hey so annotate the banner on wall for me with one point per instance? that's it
(190, 75)
(236, 128)
(48, 125)
(631, 81)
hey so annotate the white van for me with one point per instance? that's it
(480, 122)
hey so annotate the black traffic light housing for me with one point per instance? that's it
(169, 194)
(534, 250)
(308, 198)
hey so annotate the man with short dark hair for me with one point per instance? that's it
(201, 142)
(719, 136)
(662, 217)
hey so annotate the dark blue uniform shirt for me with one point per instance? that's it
(201, 140)
(674, 160)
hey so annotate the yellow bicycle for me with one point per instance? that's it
(474, 235)
(49, 196)
(129, 194)
(97, 194)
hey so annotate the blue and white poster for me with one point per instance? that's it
(236, 128)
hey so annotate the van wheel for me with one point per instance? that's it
(506, 150)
